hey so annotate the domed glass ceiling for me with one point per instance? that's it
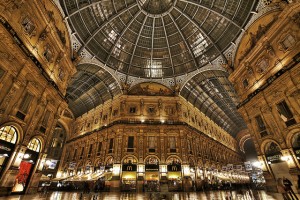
(156, 38)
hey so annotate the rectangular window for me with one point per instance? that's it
(285, 113)
(190, 147)
(90, 150)
(151, 143)
(25, 103)
(261, 126)
(111, 145)
(81, 154)
(132, 110)
(130, 144)
(46, 118)
(99, 148)
(75, 154)
(245, 83)
(172, 143)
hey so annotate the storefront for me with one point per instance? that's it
(151, 180)
(27, 166)
(129, 174)
(8, 138)
(174, 174)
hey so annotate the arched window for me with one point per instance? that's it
(34, 145)
(8, 134)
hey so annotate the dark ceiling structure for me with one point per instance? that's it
(155, 39)
(90, 87)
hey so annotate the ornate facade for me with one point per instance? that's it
(135, 95)
(143, 127)
(266, 77)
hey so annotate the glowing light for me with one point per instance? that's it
(26, 156)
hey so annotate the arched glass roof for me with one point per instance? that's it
(90, 87)
(156, 38)
(213, 94)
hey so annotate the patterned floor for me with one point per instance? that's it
(214, 195)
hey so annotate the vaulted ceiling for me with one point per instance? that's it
(155, 39)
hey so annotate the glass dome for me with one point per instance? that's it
(156, 38)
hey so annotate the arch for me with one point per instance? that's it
(98, 162)
(290, 136)
(295, 142)
(35, 144)
(88, 163)
(18, 128)
(151, 156)
(9, 134)
(265, 143)
(129, 156)
(150, 89)
(172, 157)
(109, 160)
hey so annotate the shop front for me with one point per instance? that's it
(129, 174)
(8, 138)
(174, 175)
(151, 181)
(26, 167)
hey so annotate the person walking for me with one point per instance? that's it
(281, 189)
(288, 187)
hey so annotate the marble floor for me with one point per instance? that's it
(212, 195)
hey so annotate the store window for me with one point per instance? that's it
(285, 113)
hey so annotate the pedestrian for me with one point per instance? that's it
(288, 186)
(281, 189)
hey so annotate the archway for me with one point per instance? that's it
(27, 165)
(8, 139)
(278, 166)
(296, 145)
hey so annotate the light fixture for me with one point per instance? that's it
(26, 156)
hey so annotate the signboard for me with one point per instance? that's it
(129, 167)
(274, 158)
(51, 164)
(174, 168)
(151, 167)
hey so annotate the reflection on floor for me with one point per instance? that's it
(212, 195)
